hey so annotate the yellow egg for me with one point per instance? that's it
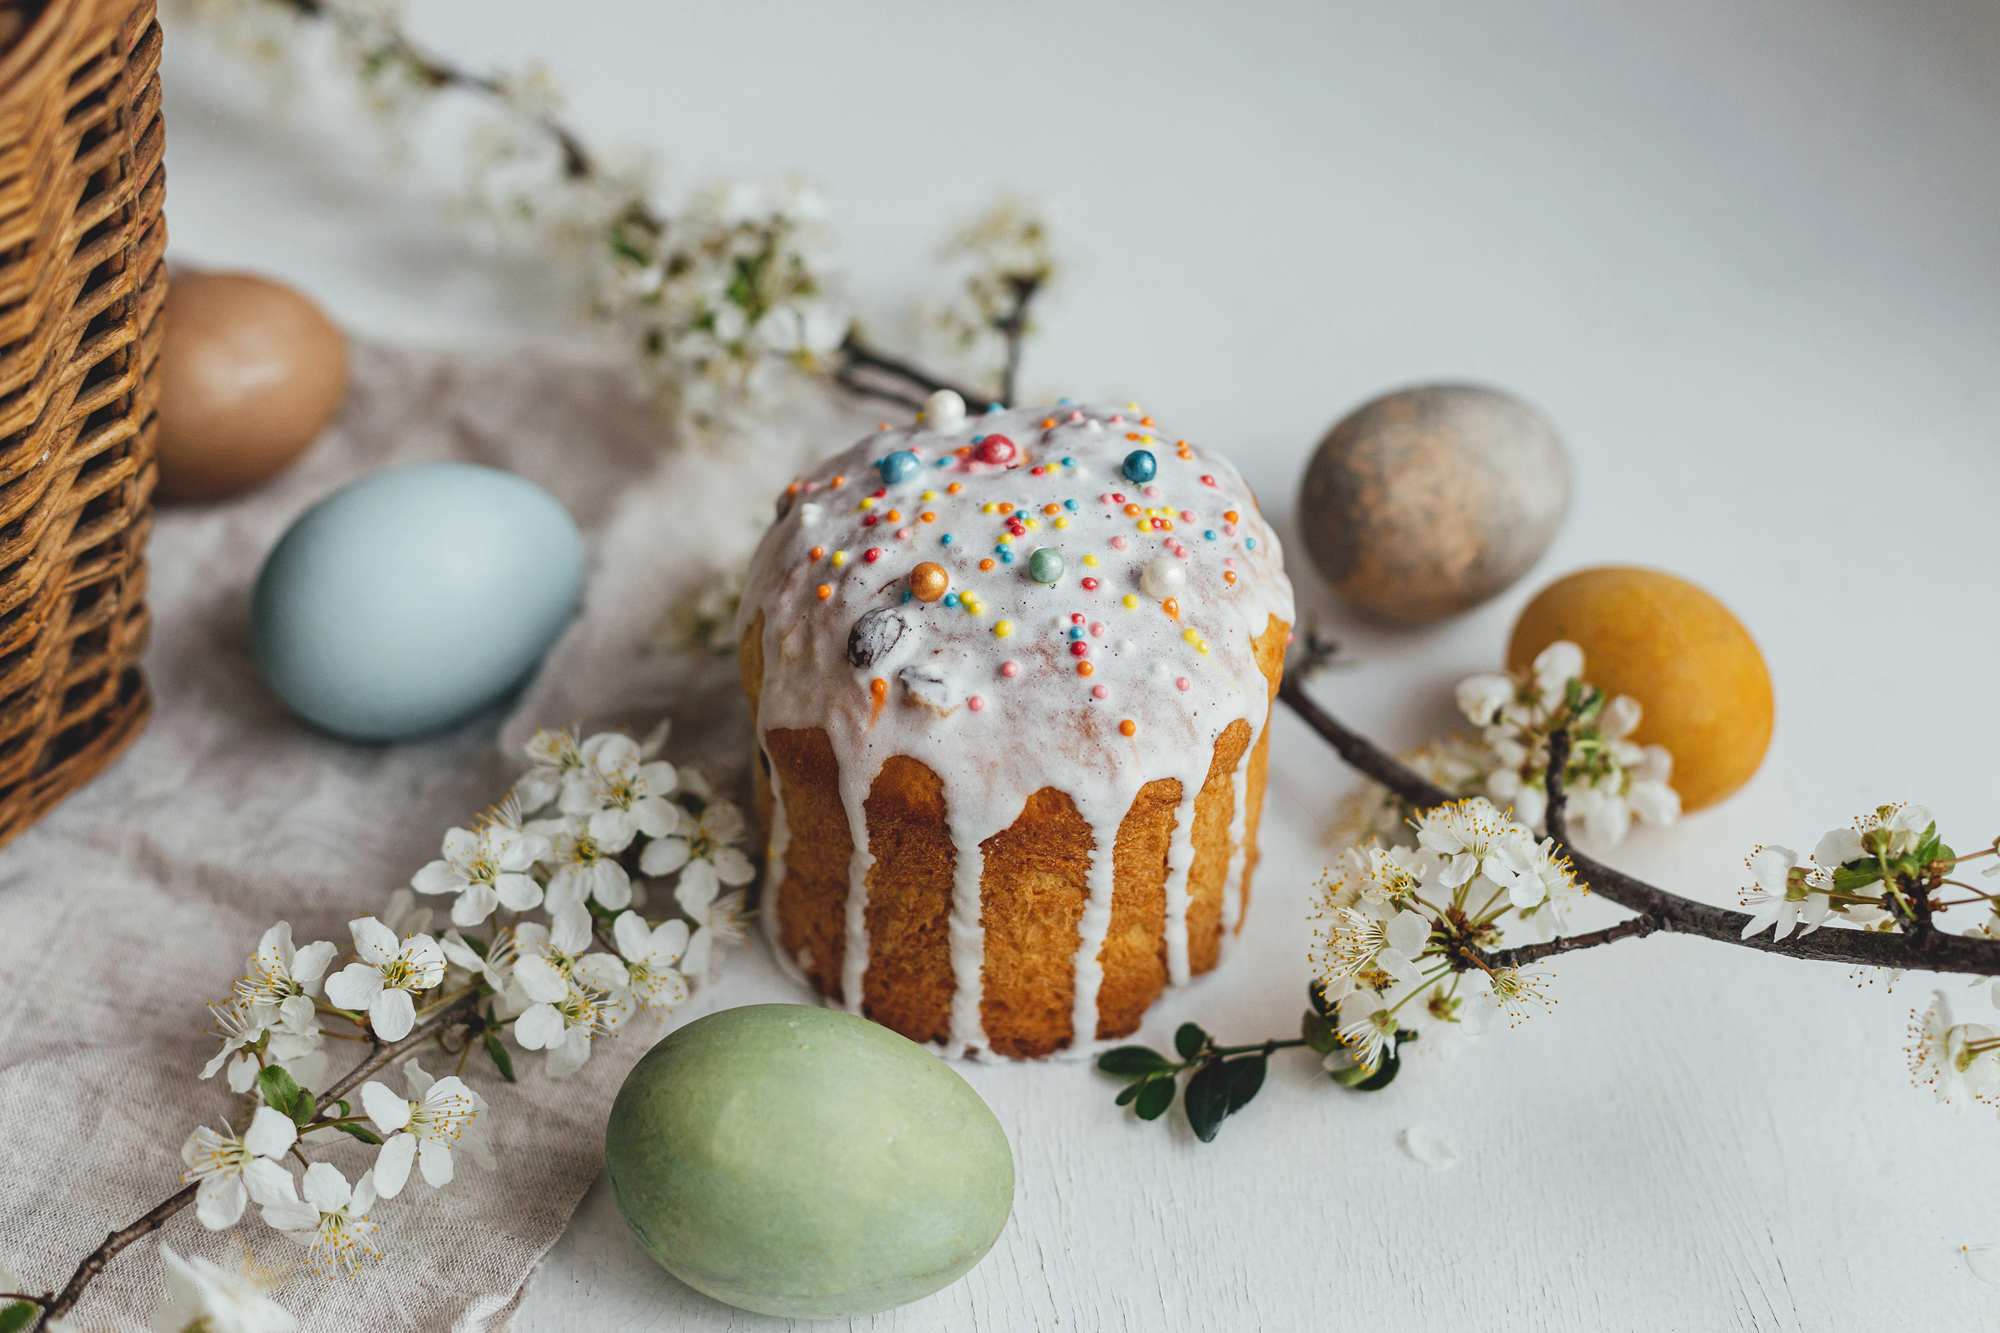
(250, 373)
(1702, 687)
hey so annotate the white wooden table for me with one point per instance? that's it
(1742, 253)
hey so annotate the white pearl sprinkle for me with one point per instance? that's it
(1159, 668)
(1126, 645)
(1164, 578)
(944, 411)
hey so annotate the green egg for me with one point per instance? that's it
(807, 1163)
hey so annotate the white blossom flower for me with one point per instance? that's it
(566, 1027)
(1555, 667)
(388, 974)
(650, 954)
(1535, 875)
(555, 754)
(1958, 1061)
(1903, 828)
(203, 1298)
(1467, 834)
(1506, 993)
(232, 1169)
(1481, 698)
(724, 924)
(332, 1219)
(486, 869)
(706, 856)
(585, 867)
(1837, 847)
(1353, 942)
(1783, 897)
(1619, 717)
(1649, 786)
(283, 977)
(621, 794)
(438, 1116)
(242, 1025)
(1366, 1027)
(491, 966)
(546, 954)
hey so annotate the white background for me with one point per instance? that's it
(1744, 256)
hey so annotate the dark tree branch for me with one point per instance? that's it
(862, 366)
(1932, 951)
(1013, 327)
(94, 1262)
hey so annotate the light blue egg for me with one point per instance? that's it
(413, 598)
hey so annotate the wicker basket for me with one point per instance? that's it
(82, 281)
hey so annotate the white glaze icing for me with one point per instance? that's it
(1044, 726)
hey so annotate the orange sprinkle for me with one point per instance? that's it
(963, 451)
(883, 426)
(1167, 524)
(1132, 511)
(1127, 727)
(1145, 421)
(1229, 516)
(955, 488)
(878, 687)
(895, 516)
(927, 516)
(818, 552)
(1172, 608)
(837, 482)
(1229, 576)
(1051, 509)
(1006, 508)
(1132, 436)
(986, 564)
(1048, 423)
(825, 591)
(1084, 668)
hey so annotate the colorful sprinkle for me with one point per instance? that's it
(1062, 522)
(1010, 669)
(1183, 684)
(987, 563)
(1131, 602)
(929, 581)
(1229, 516)
(1099, 692)
(1090, 585)
(1084, 668)
(825, 591)
(951, 599)
(895, 516)
(1119, 543)
(839, 559)
(872, 554)
(975, 703)
(1076, 631)
(878, 687)
(899, 467)
(1209, 533)
(1127, 727)
(1201, 646)
(1002, 628)
(954, 488)
(996, 449)
(818, 552)
(1079, 649)
(1097, 629)
(1229, 576)
(1172, 608)
(837, 482)
(904, 534)
(1249, 543)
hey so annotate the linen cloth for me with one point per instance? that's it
(136, 902)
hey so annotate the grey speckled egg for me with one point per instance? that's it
(1428, 501)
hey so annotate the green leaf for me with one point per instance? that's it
(17, 1316)
(356, 1131)
(1384, 1074)
(1155, 1096)
(1189, 1040)
(1319, 1033)
(282, 1094)
(1133, 1061)
(476, 944)
(1129, 1091)
(1853, 881)
(1246, 1076)
(501, 1060)
(1351, 1076)
(1207, 1100)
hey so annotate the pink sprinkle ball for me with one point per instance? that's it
(1117, 418)
(1075, 415)
(1097, 630)
(1183, 684)
(1099, 692)
(903, 534)
(1119, 543)
(1229, 529)
(1187, 515)
(1010, 669)
(975, 703)
(1152, 492)
(1107, 498)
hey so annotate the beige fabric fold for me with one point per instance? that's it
(134, 903)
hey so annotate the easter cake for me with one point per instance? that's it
(1010, 679)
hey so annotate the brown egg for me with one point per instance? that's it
(928, 581)
(251, 372)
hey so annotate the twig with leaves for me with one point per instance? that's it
(1414, 937)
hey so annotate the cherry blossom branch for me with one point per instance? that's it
(908, 385)
(384, 1054)
(1928, 950)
